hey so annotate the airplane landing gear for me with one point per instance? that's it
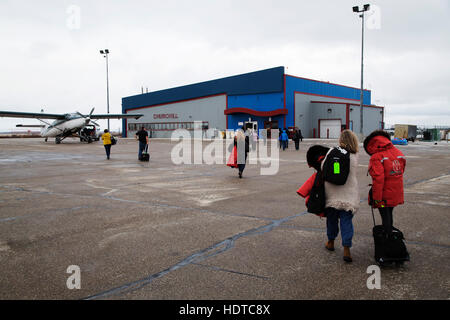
(57, 140)
(45, 139)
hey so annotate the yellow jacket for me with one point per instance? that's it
(106, 137)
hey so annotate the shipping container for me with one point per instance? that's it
(405, 131)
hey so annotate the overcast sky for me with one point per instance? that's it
(50, 58)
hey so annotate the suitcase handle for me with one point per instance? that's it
(373, 217)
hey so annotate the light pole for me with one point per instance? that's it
(105, 54)
(365, 8)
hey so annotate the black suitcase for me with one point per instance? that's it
(145, 155)
(389, 249)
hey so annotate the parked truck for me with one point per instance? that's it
(405, 131)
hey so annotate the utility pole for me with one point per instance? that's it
(105, 53)
(365, 8)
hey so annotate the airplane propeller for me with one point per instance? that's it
(88, 118)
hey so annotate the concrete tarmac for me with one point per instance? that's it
(158, 230)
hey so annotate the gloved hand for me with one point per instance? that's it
(378, 203)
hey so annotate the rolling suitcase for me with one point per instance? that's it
(145, 155)
(389, 249)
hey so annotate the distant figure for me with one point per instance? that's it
(254, 137)
(296, 138)
(279, 137)
(142, 136)
(287, 141)
(300, 133)
(284, 139)
(106, 137)
(242, 138)
(239, 138)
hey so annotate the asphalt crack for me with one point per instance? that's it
(199, 256)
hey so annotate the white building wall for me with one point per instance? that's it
(164, 119)
(307, 114)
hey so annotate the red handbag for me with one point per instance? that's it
(232, 160)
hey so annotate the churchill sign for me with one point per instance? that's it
(165, 116)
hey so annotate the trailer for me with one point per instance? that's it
(405, 131)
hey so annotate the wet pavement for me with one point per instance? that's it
(158, 230)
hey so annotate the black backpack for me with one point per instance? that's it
(337, 166)
(316, 201)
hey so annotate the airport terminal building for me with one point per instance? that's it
(267, 99)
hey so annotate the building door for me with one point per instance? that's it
(330, 129)
(268, 125)
(251, 125)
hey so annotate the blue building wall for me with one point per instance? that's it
(261, 91)
(258, 102)
(264, 81)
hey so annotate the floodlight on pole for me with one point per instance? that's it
(365, 8)
(105, 53)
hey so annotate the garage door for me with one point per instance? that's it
(330, 129)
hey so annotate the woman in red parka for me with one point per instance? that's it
(386, 166)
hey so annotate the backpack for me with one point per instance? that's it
(337, 166)
(113, 140)
(316, 201)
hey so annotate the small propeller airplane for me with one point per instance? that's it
(67, 124)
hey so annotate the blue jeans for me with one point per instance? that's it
(108, 150)
(345, 217)
(141, 148)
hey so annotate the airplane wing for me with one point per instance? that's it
(30, 125)
(115, 116)
(34, 115)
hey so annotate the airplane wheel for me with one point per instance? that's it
(57, 140)
(46, 139)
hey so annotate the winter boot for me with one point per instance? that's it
(330, 245)
(347, 256)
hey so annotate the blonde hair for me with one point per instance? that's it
(240, 134)
(349, 141)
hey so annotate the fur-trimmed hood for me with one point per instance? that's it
(315, 156)
(378, 140)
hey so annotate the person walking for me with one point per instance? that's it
(284, 139)
(342, 201)
(254, 137)
(386, 167)
(106, 138)
(280, 132)
(241, 141)
(142, 137)
(296, 138)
